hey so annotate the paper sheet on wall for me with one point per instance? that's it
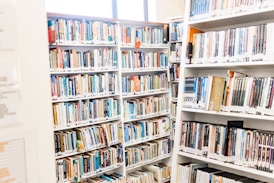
(18, 157)
(12, 161)
(9, 95)
(7, 24)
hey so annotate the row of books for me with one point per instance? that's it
(174, 70)
(142, 130)
(80, 167)
(201, 9)
(85, 139)
(82, 31)
(203, 92)
(71, 114)
(138, 84)
(200, 172)
(175, 51)
(107, 178)
(148, 174)
(147, 151)
(83, 85)
(146, 106)
(67, 60)
(251, 95)
(140, 176)
(144, 35)
(132, 60)
(242, 44)
(241, 146)
(161, 172)
(176, 31)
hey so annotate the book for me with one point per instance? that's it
(205, 174)
(51, 31)
(183, 172)
(191, 48)
(215, 93)
(193, 170)
(225, 176)
(160, 171)
(166, 34)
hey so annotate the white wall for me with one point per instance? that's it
(169, 8)
(35, 112)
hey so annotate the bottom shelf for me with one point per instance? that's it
(91, 174)
(228, 165)
(102, 170)
(160, 172)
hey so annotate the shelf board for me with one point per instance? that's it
(228, 165)
(177, 41)
(101, 171)
(237, 18)
(53, 15)
(77, 98)
(68, 154)
(135, 142)
(149, 116)
(165, 180)
(143, 70)
(143, 46)
(82, 71)
(125, 96)
(175, 61)
(138, 23)
(89, 123)
(175, 81)
(174, 100)
(99, 44)
(154, 160)
(239, 115)
(259, 64)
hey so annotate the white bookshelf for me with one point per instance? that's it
(176, 31)
(132, 67)
(250, 16)
(92, 68)
(100, 61)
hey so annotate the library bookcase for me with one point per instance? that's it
(110, 99)
(176, 26)
(225, 109)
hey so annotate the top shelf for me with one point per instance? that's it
(240, 18)
(76, 44)
(259, 64)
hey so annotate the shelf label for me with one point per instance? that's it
(9, 95)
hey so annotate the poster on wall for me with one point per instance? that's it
(7, 25)
(9, 94)
(12, 161)
(17, 157)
